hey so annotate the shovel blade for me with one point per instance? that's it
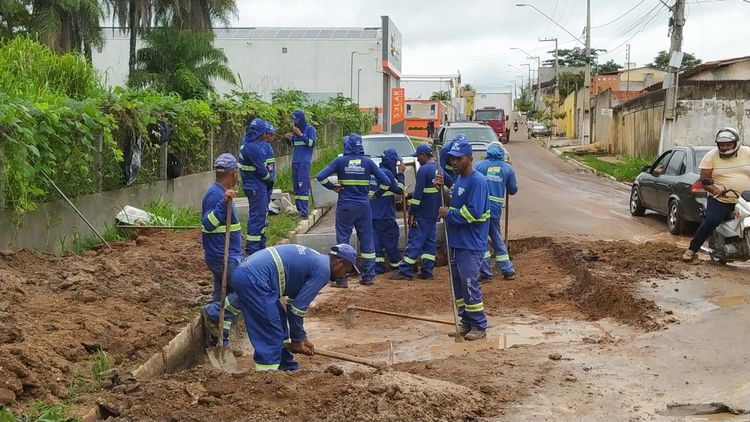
(223, 358)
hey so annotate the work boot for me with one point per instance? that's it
(342, 285)
(462, 331)
(475, 334)
(485, 279)
(366, 282)
(398, 275)
(688, 256)
(509, 276)
(423, 276)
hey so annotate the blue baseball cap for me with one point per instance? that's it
(460, 147)
(269, 128)
(347, 253)
(225, 162)
(422, 149)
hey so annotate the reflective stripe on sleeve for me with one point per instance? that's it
(279, 270)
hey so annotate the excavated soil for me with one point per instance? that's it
(56, 313)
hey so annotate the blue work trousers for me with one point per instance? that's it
(502, 259)
(357, 216)
(716, 213)
(465, 270)
(257, 220)
(386, 236)
(266, 322)
(422, 243)
(230, 303)
(301, 186)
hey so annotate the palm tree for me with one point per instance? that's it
(69, 25)
(134, 15)
(179, 61)
(440, 96)
(196, 15)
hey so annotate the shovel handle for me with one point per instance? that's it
(396, 314)
(350, 358)
(228, 228)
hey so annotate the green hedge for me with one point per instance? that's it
(55, 116)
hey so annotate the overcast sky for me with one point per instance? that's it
(475, 36)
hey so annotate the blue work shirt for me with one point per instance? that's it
(469, 213)
(303, 145)
(425, 200)
(354, 173)
(294, 271)
(253, 168)
(383, 205)
(500, 177)
(269, 160)
(213, 222)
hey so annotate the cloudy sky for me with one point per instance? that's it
(475, 36)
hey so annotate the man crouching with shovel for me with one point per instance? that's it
(297, 273)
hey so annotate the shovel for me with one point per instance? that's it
(221, 357)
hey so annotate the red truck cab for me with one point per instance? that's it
(496, 119)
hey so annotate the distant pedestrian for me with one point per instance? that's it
(302, 139)
(467, 221)
(430, 128)
(500, 179)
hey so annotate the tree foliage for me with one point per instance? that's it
(69, 25)
(440, 96)
(570, 82)
(15, 18)
(661, 61)
(179, 61)
(609, 66)
(573, 57)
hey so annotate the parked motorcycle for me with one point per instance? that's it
(731, 240)
(515, 126)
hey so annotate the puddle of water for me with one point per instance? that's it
(727, 301)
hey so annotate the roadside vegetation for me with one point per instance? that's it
(624, 168)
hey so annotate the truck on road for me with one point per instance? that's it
(492, 109)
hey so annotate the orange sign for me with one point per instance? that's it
(398, 105)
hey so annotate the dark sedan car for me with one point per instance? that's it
(671, 187)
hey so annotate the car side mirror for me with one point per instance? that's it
(646, 169)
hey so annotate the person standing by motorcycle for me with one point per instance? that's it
(726, 167)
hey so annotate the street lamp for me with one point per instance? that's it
(539, 74)
(587, 78)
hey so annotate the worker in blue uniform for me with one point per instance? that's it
(297, 273)
(354, 171)
(270, 158)
(213, 232)
(423, 214)
(302, 139)
(445, 162)
(256, 181)
(384, 225)
(467, 221)
(500, 179)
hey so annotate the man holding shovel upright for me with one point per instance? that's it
(297, 273)
(467, 221)
(500, 179)
(213, 222)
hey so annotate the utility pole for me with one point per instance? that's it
(676, 23)
(586, 132)
(557, 79)
(627, 64)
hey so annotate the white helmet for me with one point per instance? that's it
(728, 134)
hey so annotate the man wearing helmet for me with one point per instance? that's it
(726, 167)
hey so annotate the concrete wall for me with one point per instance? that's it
(736, 71)
(638, 126)
(602, 121)
(568, 122)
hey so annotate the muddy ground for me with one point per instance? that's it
(130, 301)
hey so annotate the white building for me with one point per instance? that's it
(361, 63)
(421, 87)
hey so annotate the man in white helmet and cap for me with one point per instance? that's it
(726, 167)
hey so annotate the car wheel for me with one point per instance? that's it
(675, 220)
(636, 206)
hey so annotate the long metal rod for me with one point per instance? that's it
(75, 209)
(458, 338)
(350, 358)
(129, 226)
(400, 315)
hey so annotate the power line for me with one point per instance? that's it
(636, 33)
(619, 17)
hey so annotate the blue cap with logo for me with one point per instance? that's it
(460, 148)
(347, 253)
(225, 162)
(422, 149)
(269, 128)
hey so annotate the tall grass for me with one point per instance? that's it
(40, 412)
(167, 214)
(625, 171)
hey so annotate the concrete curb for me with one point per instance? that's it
(589, 169)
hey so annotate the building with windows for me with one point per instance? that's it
(363, 63)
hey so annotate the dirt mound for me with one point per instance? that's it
(584, 280)
(56, 313)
